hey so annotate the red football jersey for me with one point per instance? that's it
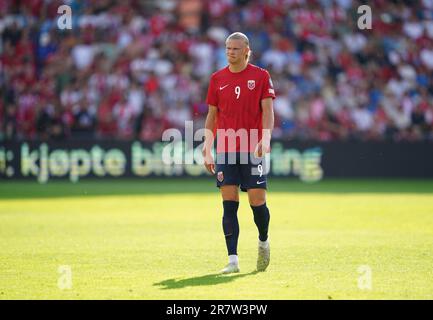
(238, 96)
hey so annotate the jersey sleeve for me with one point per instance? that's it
(268, 87)
(212, 97)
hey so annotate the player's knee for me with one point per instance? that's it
(230, 193)
(257, 200)
(231, 197)
(256, 197)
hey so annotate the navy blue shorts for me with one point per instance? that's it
(241, 169)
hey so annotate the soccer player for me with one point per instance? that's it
(241, 114)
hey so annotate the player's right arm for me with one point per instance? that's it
(209, 138)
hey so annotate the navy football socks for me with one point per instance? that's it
(261, 219)
(231, 225)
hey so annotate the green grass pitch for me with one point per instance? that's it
(162, 239)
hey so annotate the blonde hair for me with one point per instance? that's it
(244, 38)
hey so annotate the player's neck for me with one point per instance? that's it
(238, 67)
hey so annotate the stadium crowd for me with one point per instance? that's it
(130, 69)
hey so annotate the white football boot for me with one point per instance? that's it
(231, 268)
(264, 256)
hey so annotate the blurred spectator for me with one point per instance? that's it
(130, 69)
(125, 115)
(84, 118)
(10, 122)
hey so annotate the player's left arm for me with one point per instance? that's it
(264, 146)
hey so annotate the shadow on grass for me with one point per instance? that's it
(206, 280)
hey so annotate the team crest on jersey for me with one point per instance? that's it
(220, 176)
(251, 84)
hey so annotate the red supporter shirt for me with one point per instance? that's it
(238, 98)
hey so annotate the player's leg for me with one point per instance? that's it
(228, 179)
(230, 196)
(257, 199)
(254, 180)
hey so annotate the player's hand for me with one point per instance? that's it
(263, 147)
(209, 162)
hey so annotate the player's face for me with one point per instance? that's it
(236, 51)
